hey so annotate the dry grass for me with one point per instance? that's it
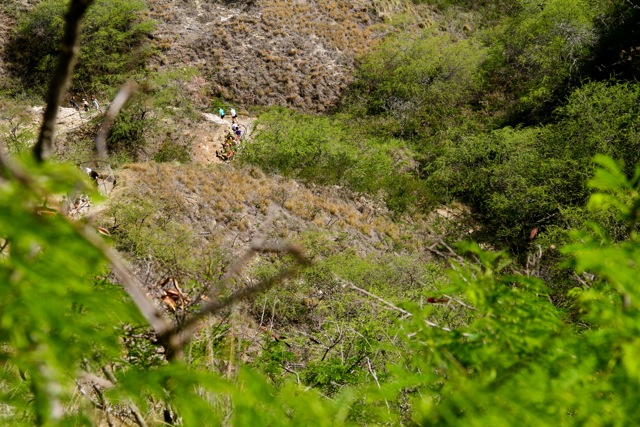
(271, 52)
(234, 203)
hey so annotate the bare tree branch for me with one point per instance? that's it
(130, 282)
(405, 313)
(118, 102)
(95, 380)
(137, 415)
(174, 340)
(62, 78)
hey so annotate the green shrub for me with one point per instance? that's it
(172, 152)
(491, 9)
(539, 51)
(114, 43)
(168, 88)
(418, 84)
(602, 118)
(522, 178)
(16, 128)
(333, 151)
(130, 128)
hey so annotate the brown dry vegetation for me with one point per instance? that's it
(269, 52)
(229, 205)
(191, 222)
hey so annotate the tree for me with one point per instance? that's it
(114, 44)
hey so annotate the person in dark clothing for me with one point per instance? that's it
(74, 104)
(93, 174)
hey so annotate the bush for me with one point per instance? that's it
(603, 118)
(418, 84)
(333, 151)
(526, 177)
(172, 152)
(129, 130)
(113, 44)
(538, 52)
(510, 182)
(16, 128)
(490, 10)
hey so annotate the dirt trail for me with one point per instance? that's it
(211, 134)
(68, 118)
(208, 134)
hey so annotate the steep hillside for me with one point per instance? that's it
(187, 227)
(231, 206)
(269, 52)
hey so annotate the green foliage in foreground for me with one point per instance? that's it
(516, 360)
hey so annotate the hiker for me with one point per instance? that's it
(229, 138)
(225, 156)
(234, 116)
(238, 134)
(95, 103)
(74, 104)
(221, 111)
(228, 141)
(234, 128)
(85, 104)
(93, 174)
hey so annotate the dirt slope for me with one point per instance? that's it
(210, 133)
(268, 52)
(231, 206)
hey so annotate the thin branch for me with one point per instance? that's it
(451, 251)
(393, 306)
(332, 345)
(291, 371)
(61, 79)
(373, 374)
(384, 301)
(118, 102)
(97, 381)
(130, 282)
(470, 307)
(132, 406)
(103, 405)
(174, 340)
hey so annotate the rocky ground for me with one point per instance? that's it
(296, 53)
(267, 52)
